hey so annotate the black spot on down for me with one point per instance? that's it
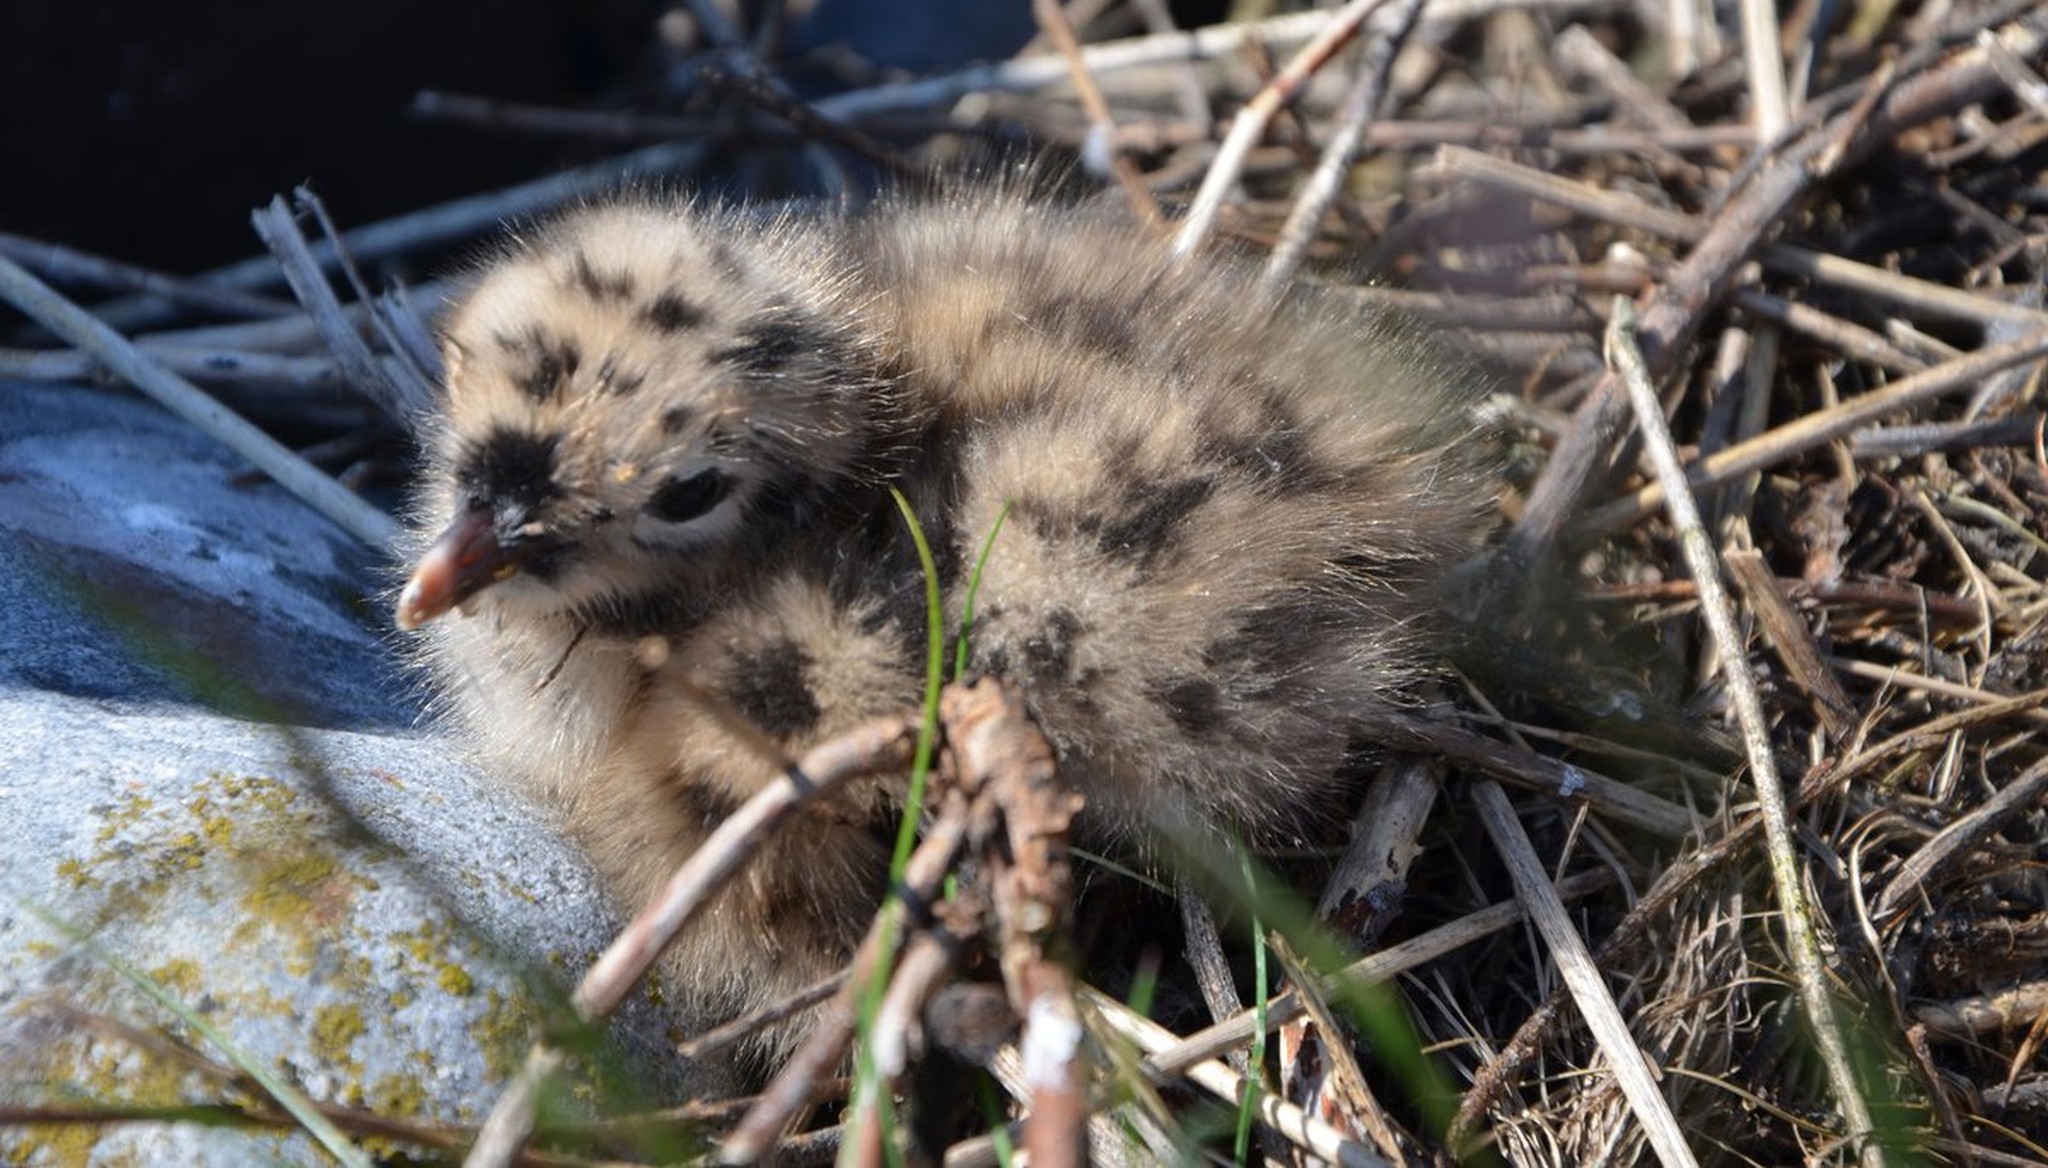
(600, 286)
(510, 469)
(672, 312)
(554, 361)
(1153, 516)
(768, 346)
(1194, 704)
(771, 686)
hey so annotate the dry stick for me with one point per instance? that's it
(1851, 339)
(1926, 298)
(1364, 889)
(926, 961)
(1585, 55)
(1368, 91)
(456, 219)
(756, 91)
(1330, 1076)
(1000, 751)
(495, 113)
(1954, 842)
(1915, 439)
(1052, 21)
(1539, 313)
(1894, 676)
(278, 231)
(1581, 975)
(745, 1026)
(1821, 427)
(1517, 1052)
(792, 1087)
(1400, 135)
(1937, 301)
(413, 380)
(1384, 965)
(224, 366)
(1250, 124)
(878, 745)
(1027, 73)
(1675, 312)
(929, 956)
(2018, 76)
(2020, 1006)
(1809, 972)
(1767, 102)
(1363, 896)
(1795, 647)
(1203, 947)
(40, 303)
(285, 333)
(1525, 768)
(69, 265)
(1989, 600)
(1571, 194)
(1296, 1125)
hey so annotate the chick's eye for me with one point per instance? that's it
(680, 500)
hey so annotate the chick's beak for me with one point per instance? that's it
(463, 561)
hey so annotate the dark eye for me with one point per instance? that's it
(680, 500)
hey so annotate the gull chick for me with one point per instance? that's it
(656, 529)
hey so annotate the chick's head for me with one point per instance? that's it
(629, 398)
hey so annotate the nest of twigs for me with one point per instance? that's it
(1747, 720)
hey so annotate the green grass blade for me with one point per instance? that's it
(934, 680)
(973, 589)
(866, 1079)
(286, 1096)
(1255, 1063)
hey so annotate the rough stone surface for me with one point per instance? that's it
(354, 907)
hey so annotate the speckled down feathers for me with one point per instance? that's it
(1226, 516)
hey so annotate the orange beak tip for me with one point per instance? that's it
(463, 561)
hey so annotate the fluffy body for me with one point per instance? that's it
(1226, 515)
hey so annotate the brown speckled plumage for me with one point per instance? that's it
(672, 422)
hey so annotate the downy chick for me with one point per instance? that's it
(661, 472)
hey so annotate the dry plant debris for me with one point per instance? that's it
(1830, 238)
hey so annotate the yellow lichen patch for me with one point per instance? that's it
(335, 1030)
(503, 1032)
(66, 1145)
(216, 825)
(180, 975)
(76, 873)
(454, 979)
(433, 951)
(103, 1072)
(132, 810)
(283, 892)
(397, 1095)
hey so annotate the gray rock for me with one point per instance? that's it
(145, 562)
(354, 907)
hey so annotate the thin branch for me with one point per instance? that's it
(878, 745)
(1103, 149)
(1800, 928)
(1575, 963)
(1821, 427)
(344, 507)
(1251, 122)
